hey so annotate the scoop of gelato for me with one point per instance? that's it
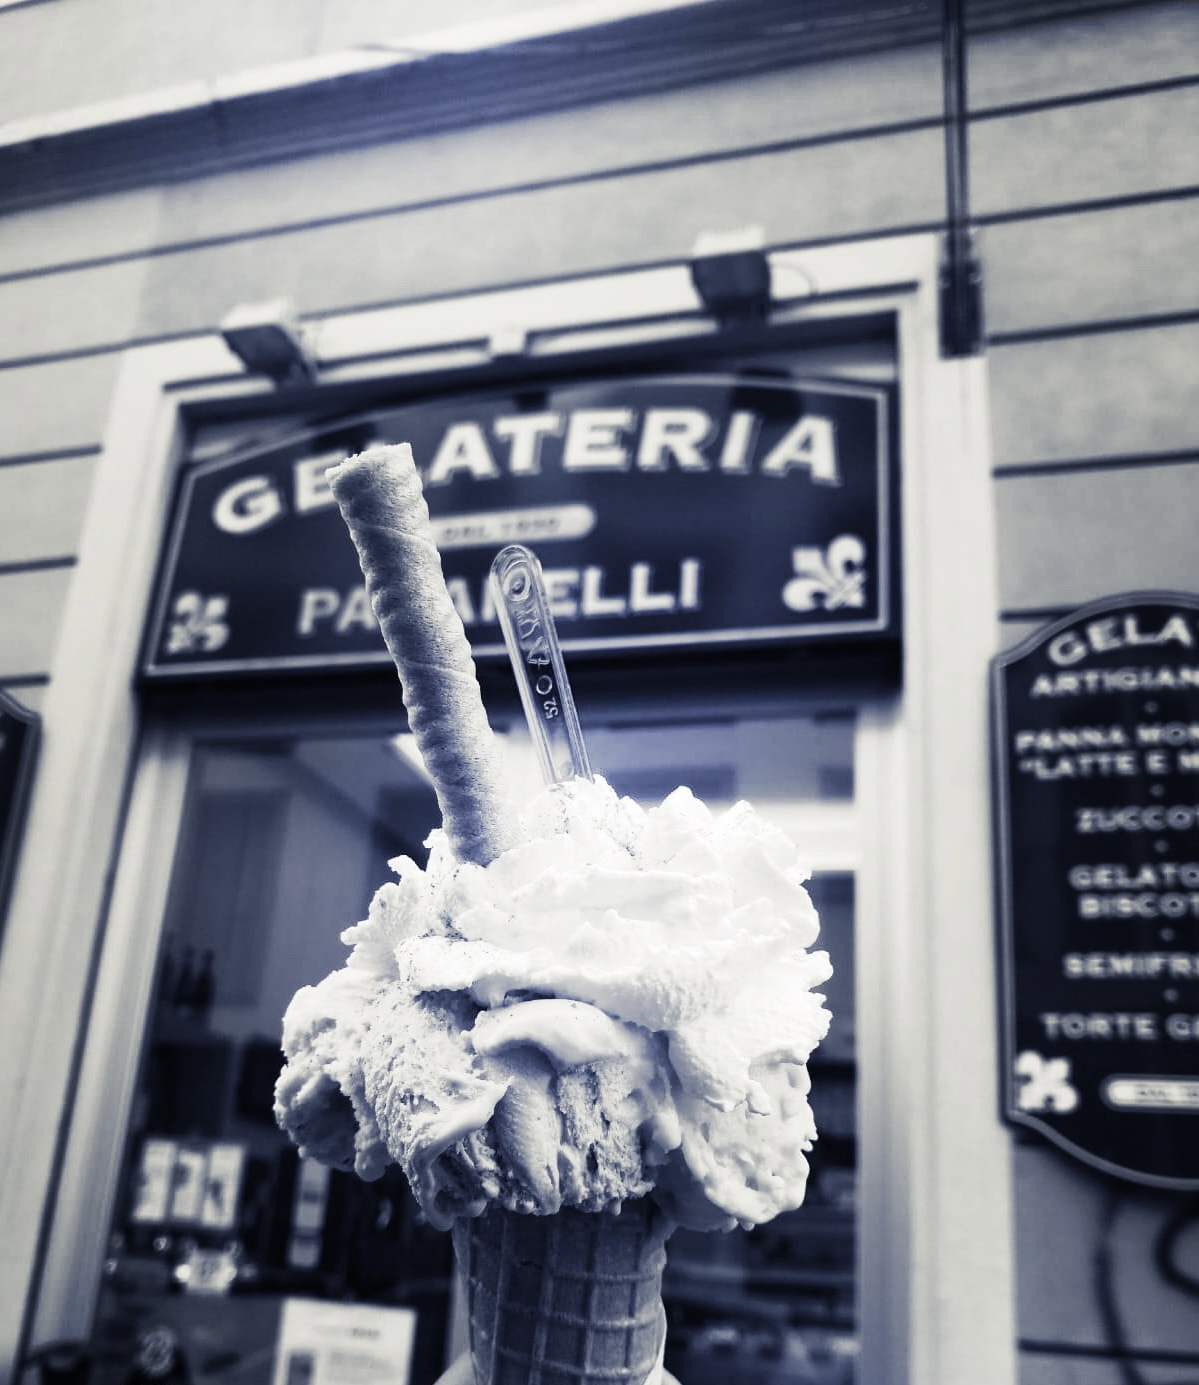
(621, 1004)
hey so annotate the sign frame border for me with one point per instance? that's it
(884, 396)
(1003, 885)
(12, 836)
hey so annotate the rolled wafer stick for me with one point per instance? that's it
(381, 500)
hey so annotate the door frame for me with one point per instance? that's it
(935, 1264)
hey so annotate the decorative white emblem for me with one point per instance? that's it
(197, 624)
(836, 576)
(1044, 1083)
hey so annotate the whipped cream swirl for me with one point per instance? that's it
(621, 1004)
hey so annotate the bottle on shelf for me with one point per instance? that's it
(185, 982)
(165, 991)
(204, 989)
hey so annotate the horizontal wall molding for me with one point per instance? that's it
(118, 345)
(64, 454)
(1150, 1355)
(420, 96)
(1148, 322)
(165, 249)
(1035, 613)
(1144, 459)
(607, 173)
(1097, 204)
(1056, 332)
(302, 109)
(115, 347)
(37, 565)
(1004, 109)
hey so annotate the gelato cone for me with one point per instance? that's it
(621, 1005)
(572, 1299)
(581, 1024)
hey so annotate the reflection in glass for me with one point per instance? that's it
(220, 1225)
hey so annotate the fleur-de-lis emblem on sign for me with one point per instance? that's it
(198, 624)
(1044, 1083)
(835, 576)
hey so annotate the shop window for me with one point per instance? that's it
(226, 880)
(224, 1239)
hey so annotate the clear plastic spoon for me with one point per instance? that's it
(522, 605)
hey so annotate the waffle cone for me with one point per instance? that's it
(571, 1299)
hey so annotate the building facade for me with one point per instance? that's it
(982, 215)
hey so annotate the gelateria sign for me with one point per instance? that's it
(699, 510)
(1097, 754)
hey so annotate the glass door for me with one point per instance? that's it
(221, 1234)
(218, 1224)
(776, 1305)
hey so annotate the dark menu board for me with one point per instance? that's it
(1097, 764)
(19, 730)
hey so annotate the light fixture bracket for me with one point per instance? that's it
(731, 274)
(269, 340)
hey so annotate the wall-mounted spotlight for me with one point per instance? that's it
(268, 340)
(731, 274)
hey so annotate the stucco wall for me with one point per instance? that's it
(1084, 179)
(109, 50)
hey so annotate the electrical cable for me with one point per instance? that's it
(1105, 1293)
(1166, 1242)
(1183, 1215)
